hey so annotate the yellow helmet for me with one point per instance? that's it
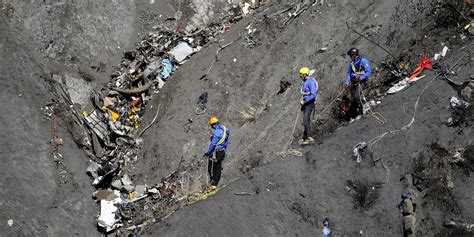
(213, 120)
(304, 71)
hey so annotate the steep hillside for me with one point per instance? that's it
(294, 194)
(247, 72)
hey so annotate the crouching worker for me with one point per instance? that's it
(216, 152)
(308, 99)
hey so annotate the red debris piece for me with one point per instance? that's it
(425, 63)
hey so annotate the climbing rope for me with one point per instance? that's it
(200, 195)
(297, 152)
(292, 132)
(291, 152)
(379, 117)
(328, 106)
(151, 123)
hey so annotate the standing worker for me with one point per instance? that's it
(307, 101)
(357, 74)
(218, 144)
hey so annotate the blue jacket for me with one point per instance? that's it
(309, 86)
(216, 137)
(360, 64)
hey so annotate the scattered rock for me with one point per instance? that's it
(409, 224)
(408, 207)
(467, 92)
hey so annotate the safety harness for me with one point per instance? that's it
(222, 140)
(307, 93)
(360, 71)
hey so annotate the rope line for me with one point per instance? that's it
(379, 117)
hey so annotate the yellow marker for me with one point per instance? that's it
(114, 115)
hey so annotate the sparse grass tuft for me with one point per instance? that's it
(251, 113)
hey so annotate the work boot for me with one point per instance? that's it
(304, 142)
(211, 188)
(310, 139)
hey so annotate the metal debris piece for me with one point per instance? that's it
(153, 191)
(108, 210)
(181, 51)
(117, 184)
(140, 190)
(126, 180)
(357, 151)
(98, 150)
(134, 91)
(457, 157)
(95, 120)
(92, 170)
(458, 103)
(441, 54)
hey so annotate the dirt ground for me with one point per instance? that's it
(288, 196)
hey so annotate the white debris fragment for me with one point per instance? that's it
(181, 51)
(153, 190)
(367, 106)
(441, 54)
(458, 103)
(356, 152)
(108, 209)
(398, 87)
(140, 190)
(457, 156)
(246, 9)
(416, 78)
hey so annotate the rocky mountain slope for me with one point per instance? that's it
(273, 186)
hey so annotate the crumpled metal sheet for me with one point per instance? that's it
(95, 120)
(181, 51)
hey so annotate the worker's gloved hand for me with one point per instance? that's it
(358, 79)
(346, 87)
(301, 101)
